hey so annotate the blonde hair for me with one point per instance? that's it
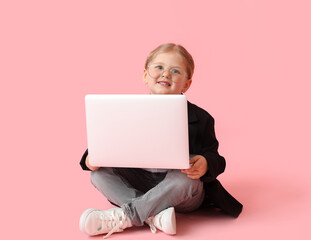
(169, 47)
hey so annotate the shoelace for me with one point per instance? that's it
(113, 222)
(151, 225)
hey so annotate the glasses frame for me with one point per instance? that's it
(182, 77)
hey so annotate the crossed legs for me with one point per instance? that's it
(174, 190)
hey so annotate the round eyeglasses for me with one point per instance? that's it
(156, 70)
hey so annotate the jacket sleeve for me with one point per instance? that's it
(82, 161)
(216, 163)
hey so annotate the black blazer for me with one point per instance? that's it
(202, 141)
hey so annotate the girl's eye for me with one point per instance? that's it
(159, 67)
(175, 71)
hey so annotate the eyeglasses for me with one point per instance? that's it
(157, 69)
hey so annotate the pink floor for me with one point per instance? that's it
(273, 209)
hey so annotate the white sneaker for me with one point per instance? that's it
(164, 221)
(95, 222)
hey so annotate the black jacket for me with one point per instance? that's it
(202, 141)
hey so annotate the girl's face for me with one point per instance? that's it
(166, 74)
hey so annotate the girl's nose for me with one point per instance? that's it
(166, 73)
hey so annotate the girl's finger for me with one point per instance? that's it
(193, 176)
(194, 159)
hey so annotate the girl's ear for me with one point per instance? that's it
(187, 85)
(145, 76)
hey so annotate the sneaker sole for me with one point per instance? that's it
(83, 219)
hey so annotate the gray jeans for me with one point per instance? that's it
(142, 194)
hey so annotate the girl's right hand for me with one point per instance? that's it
(92, 168)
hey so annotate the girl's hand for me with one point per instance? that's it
(88, 164)
(198, 169)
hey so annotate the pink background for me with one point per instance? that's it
(252, 74)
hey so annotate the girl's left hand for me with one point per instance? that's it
(198, 169)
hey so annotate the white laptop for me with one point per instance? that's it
(139, 131)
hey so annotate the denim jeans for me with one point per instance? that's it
(142, 194)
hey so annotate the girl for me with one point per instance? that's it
(153, 195)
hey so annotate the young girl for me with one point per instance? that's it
(153, 195)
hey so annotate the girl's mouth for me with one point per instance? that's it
(163, 83)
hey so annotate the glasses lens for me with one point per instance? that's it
(155, 70)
